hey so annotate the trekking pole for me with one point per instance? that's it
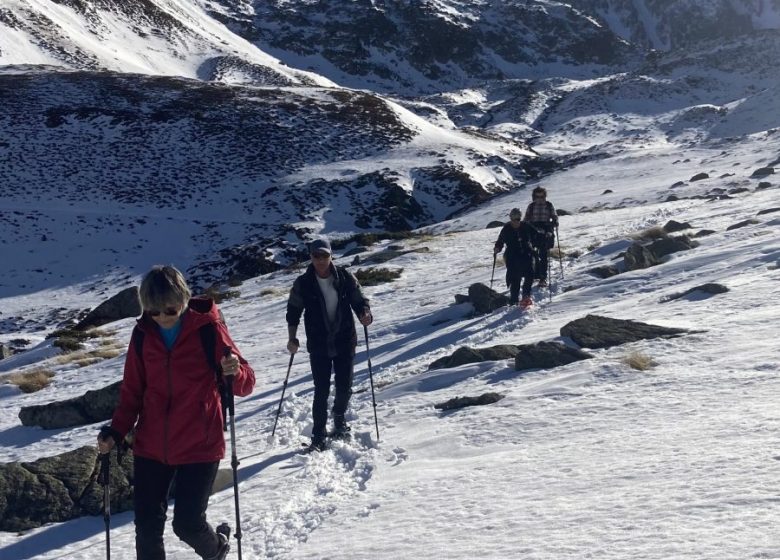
(104, 480)
(371, 377)
(231, 408)
(495, 255)
(284, 387)
(560, 255)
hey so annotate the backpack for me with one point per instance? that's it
(208, 339)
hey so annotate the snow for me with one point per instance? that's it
(593, 459)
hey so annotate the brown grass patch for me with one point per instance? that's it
(638, 361)
(650, 234)
(29, 381)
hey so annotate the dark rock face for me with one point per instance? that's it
(461, 402)
(124, 304)
(699, 292)
(594, 331)
(744, 223)
(484, 299)
(544, 355)
(606, 271)
(379, 44)
(673, 226)
(92, 406)
(60, 488)
(466, 355)
(763, 172)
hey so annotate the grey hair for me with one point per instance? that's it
(162, 286)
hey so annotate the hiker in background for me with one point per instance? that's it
(170, 393)
(327, 295)
(541, 214)
(516, 236)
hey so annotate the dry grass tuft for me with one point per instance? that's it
(29, 381)
(638, 360)
(650, 234)
(272, 292)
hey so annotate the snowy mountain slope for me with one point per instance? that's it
(165, 37)
(594, 458)
(242, 174)
(395, 46)
(676, 24)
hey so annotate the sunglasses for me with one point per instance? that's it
(516, 219)
(169, 311)
(320, 255)
(539, 197)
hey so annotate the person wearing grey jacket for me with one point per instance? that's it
(327, 295)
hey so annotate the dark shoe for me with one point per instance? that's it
(341, 431)
(223, 534)
(525, 303)
(542, 283)
(317, 444)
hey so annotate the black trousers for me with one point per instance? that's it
(542, 242)
(321, 369)
(515, 282)
(193, 487)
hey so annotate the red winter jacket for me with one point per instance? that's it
(173, 393)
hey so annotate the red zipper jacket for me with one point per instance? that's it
(173, 393)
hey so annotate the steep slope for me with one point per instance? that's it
(246, 173)
(167, 37)
(428, 46)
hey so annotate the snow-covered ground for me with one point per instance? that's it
(590, 460)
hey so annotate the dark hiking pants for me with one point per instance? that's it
(515, 282)
(152, 481)
(321, 369)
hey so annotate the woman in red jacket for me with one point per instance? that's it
(169, 392)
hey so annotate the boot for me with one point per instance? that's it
(318, 443)
(526, 302)
(341, 429)
(542, 283)
(223, 534)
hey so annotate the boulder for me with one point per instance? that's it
(461, 402)
(594, 331)
(543, 355)
(60, 488)
(673, 226)
(699, 292)
(92, 406)
(744, 223)
(124, 304)
(484, 299)
(466, 355)
(763, 172)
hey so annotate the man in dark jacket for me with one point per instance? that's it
(327, 295)
(519, 255)
(542, 215)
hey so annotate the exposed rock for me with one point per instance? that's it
(461, 402)
(124, 304)
(466, 355)
(763, 185)
(5, 352)
(544, 355)
(673, 226)
(484, 299)
(606, 271)
(594, 331)
(92, 406)
(494, 224)
(561, 212)
(699, 292)
(763, 172)
(744, 223)
(607, 191)
(699, 177)
(640, 256)
(60, 488)
(768, 211)
(672, 198)
(704, 232)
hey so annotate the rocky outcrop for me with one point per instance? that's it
(466, 355)
(59, 488)
(92, 406)
(121, 306)
(483, 298)
(594, 331)
(704, 291)
(461, 402)
(544, 355)
(640, 256)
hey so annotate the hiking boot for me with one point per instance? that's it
(318, 443)
(223, 534)
(542, 283)
(341, 429)
(525, 303)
